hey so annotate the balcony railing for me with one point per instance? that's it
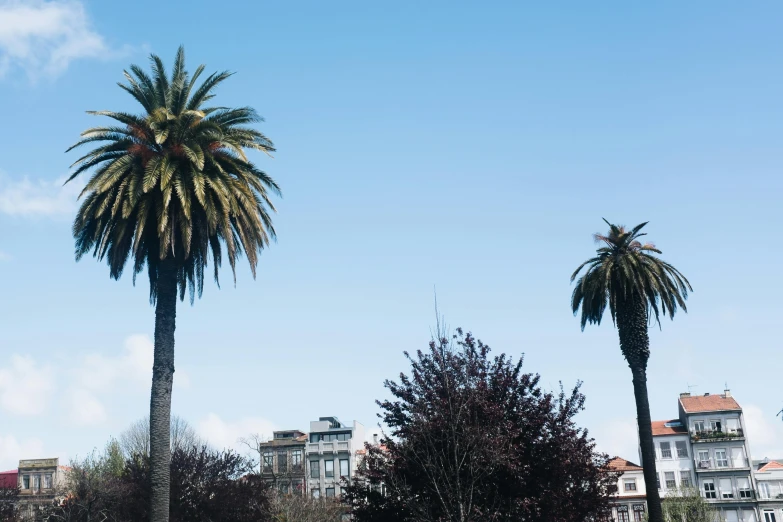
(712, 464)
(715, 435)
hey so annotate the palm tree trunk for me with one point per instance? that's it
(160, 398)
(635, 345)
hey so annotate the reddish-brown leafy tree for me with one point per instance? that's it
(206, 486)
(473, 438)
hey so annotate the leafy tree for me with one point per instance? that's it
(9, 499)
(473, 438)
(171, 188)
(687, 505)
(207, 486)
(637, 287)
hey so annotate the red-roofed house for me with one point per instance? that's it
(715, 427)
(769, 481)
(629, 503)
(8, 479)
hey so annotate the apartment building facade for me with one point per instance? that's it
(629, 503)
(283, 461)
(706, 447)
(333, 450)
(769, 484)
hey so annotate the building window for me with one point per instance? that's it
(622, 514)
(658, 480)
(704, 459)
(764, 490)
(329, 468)
(638, 512)
(296, 459)
(268, 461)
(630, 485)
(685, 478)
(315, 469)
(666, 450)
(715, 425)
(283, 488)
(316, 493)
(344, 467)
(725, 489)
(329, 492)
(769, 516)
(342, 492)
(709, 489)
(36, 482)
(48, 481)
(721, 460)
(743, 487)
(671, 483)
(282, 461)
(682, 449)
(698, 426)
(25, 481)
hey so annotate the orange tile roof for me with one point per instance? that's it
(620, 464)
(706, 403)
(660, 428)
(773, 464)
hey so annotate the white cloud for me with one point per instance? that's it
(42, 37)
(26, 198)
(765, 432)
(11, 451)
(100, 375)
(85, 408)
(25, 387)
(222, 434)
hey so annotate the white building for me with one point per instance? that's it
(707, 447)
(331, 454)
(769, 481)
(673, 456)
(629, 503)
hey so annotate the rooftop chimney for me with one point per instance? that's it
(727, 393)
(375, 438)
(685, 394)
(706, 394)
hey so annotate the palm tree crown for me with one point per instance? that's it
(174, 183)
(625, 269)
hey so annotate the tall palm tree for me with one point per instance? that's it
(169, 188)
(638, 287)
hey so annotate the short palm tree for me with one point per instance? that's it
(168, 189)
(637, 286)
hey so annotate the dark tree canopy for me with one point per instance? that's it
(474, 438)
(206, 486)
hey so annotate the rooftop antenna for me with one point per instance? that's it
(691, 386)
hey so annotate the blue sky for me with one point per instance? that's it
(470, 148)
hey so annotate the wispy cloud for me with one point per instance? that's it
(42, 37)
(25, 197)
(25, 386)
(224, 434)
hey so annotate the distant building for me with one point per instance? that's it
(283, 461)
(40, 482)
(629, 504)
(8, 479)
(332, 453)
(769, 481)
(673, 456)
